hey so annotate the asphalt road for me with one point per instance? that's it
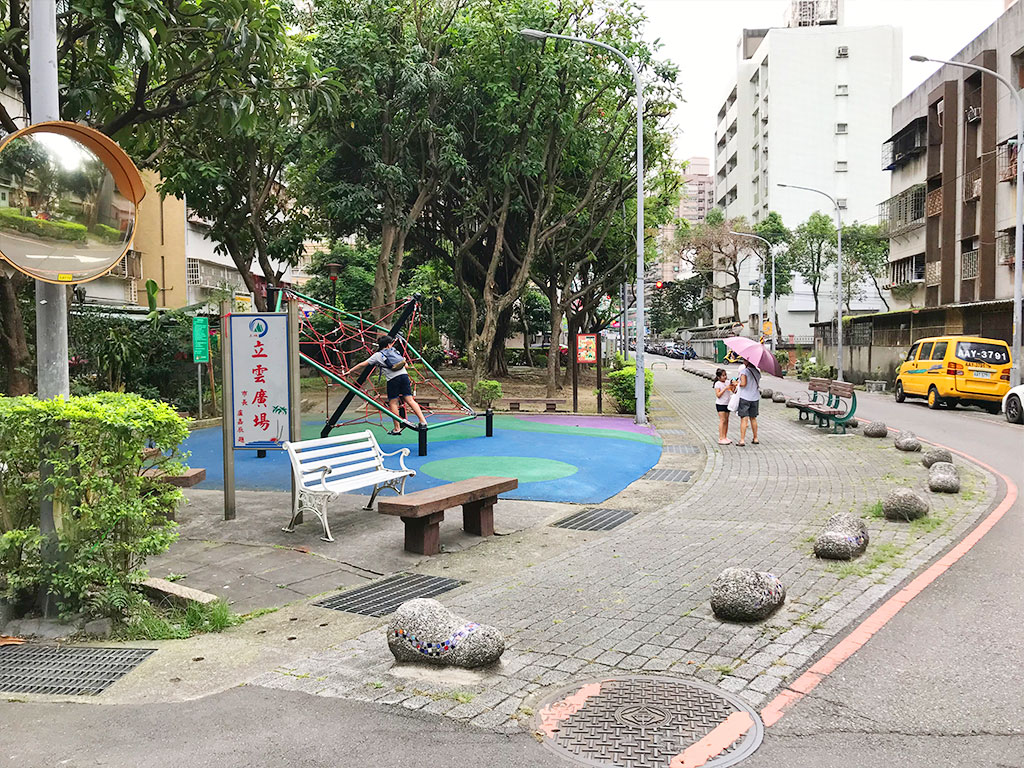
(940, 684)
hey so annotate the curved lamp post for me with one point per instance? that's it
(760, 292)
(839, 274)
(1018, 240)
(640, 390)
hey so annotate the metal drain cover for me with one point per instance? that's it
(669, 475)
(649, 722)
(597, 519)
(64, 670)
(383, 597)
(681, 449)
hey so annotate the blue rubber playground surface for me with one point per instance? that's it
(583, 460)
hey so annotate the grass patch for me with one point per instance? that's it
(147, 622)
(925, 525)
(172, 577)
(883, 554)
(723, 669)
(462, 697)
(873, 510)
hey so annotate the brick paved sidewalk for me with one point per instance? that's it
(636, 598)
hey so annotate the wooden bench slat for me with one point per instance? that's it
(531, 400)
(443, 497)
(338, 461)
(338, 450)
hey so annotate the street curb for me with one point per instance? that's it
(864, 631)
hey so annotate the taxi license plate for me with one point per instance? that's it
(983, 374)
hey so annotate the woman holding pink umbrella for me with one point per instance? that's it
(755, 357)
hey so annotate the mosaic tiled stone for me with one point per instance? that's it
(904, 504)
(876, 429)
(422, 630)
(943, 477)
(844, 538)
(743, 594)
(907, 441)
(932, 455)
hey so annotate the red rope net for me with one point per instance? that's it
(340, 340)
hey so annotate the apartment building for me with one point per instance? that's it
(950, 213)
(811, 102)
(698, 190)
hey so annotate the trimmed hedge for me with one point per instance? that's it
(622, 387)
(107, 234)
(54, 230)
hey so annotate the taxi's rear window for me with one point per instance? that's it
(980, 352)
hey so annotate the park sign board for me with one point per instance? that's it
(200, 340)
(586, 348)
(260, 372)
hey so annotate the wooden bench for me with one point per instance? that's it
(423, 511)
(836, 411)
(550, 405)
(817, 394)
(191, 476)
(330, 466)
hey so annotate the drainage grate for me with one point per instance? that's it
(63, 670)
(598, 519)
(681, 449)
(669, 475)
(672, 431)
(384, 596)
(649, 722)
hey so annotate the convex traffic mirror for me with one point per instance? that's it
(68, 199)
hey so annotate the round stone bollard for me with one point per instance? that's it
(743, 594)
(853, 424)
(422, 630)
(943, 477)
(876, 429)
(907, 441)
(766, 394)
(844, 538)
(933, 455)
(778, 397)
(904, 504)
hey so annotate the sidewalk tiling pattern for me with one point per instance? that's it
(635, 600)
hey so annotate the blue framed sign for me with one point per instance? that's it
(260, 372)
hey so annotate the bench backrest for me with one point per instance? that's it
(819, 385)
(841, 389)
(348, 455)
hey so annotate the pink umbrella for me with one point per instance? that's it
(755, 353)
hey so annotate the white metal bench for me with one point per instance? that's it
(330, 466)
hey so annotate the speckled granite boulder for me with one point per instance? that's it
(907, 441)
(778, 397)
(844, 538)
(766, 394)
(943, 477)
(876, 429)
(933, 455)
(904, 504)
(853, 424)
(743, 594)
(423, 630)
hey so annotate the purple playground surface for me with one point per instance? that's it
(622, 423)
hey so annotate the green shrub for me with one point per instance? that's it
(10, 218)
(805, 369)
(515, 356)
(109, 516)
(486, 392)
(463, 362)
(540, 360)
(107, 234)
(782, 358)
(460, 387)
(622, 387)
(619, 362)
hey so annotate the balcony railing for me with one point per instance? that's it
(972, 184)
(903, 212)
(1006, 162)
(933, 273)
(1004, 247)
(933, 204)
(969, 265)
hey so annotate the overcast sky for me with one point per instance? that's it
(701, 35)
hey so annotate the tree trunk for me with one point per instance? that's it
(527, 352)
(382, 275)
(814, 293)
(878, 288)
(13, 343)
(556, 332)
(497, 364)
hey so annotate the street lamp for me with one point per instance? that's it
(1018, 241)
(839, 274)
(640, 388)
(760, 291)
(333, 272)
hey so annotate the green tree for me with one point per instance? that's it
(813, 253)
(354, 285)
(687, 300)
(772, 229)
(865, 257)
(717, 256)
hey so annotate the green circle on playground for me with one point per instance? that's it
(526, 469)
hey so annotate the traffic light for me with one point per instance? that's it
(659, 285)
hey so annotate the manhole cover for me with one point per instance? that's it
(63, 670)
(383, 597)
(669, 475)
(597, 519)
(649, 722)
(681, 449)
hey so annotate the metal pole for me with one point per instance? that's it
(1018, 239)
(600, 404)
(294, 393)
(775, 317)
(768, 245)
(228, 420)
(199, 387)
(52, 378)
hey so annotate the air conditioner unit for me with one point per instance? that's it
(843, 52)
(973, 114)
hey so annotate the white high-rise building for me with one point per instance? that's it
(811, 103)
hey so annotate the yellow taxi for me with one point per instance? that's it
(952, 370)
